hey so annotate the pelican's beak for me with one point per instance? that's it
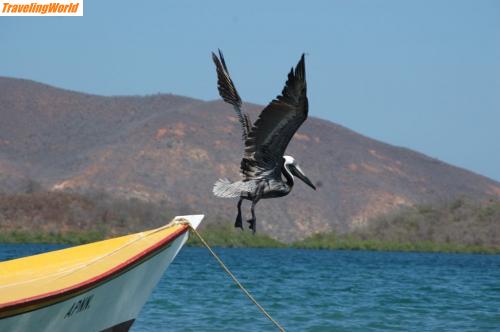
(298, 172)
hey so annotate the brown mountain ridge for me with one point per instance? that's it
(171, 149)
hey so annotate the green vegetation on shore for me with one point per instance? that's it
(71, 237)
(227, 237)
(457, 226)
(332, 241)
(460, 226)
(69, 218)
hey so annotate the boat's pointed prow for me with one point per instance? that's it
(100, 286)
(194, 220)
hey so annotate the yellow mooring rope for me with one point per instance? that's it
(243, 289)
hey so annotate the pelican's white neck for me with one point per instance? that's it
(289, 160)
(287, 173)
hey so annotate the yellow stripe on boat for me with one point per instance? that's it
(47, 274)
(100, 286)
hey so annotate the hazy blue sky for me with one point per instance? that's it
(418, 74)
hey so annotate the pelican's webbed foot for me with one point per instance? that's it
(253, 225)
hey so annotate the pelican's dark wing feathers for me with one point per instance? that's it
(228, 92)
(275, 127)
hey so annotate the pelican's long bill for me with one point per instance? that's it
(295, 169)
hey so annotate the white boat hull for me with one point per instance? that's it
(111, 305)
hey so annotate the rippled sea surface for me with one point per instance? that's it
(309, 290)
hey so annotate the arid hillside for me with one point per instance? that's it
(171, 149)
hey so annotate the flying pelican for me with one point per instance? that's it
(265, 141)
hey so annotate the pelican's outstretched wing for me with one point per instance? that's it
(228, 92)
(275, 127)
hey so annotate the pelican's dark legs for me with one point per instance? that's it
(238, 223)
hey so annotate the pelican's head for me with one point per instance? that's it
(295, 169)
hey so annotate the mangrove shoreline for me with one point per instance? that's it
(226, 237)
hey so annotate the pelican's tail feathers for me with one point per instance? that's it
(227, 189)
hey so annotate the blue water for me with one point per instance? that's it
(309, 290)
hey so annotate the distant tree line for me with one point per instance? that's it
(68, 217)
(460, 221)
(459, 226)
